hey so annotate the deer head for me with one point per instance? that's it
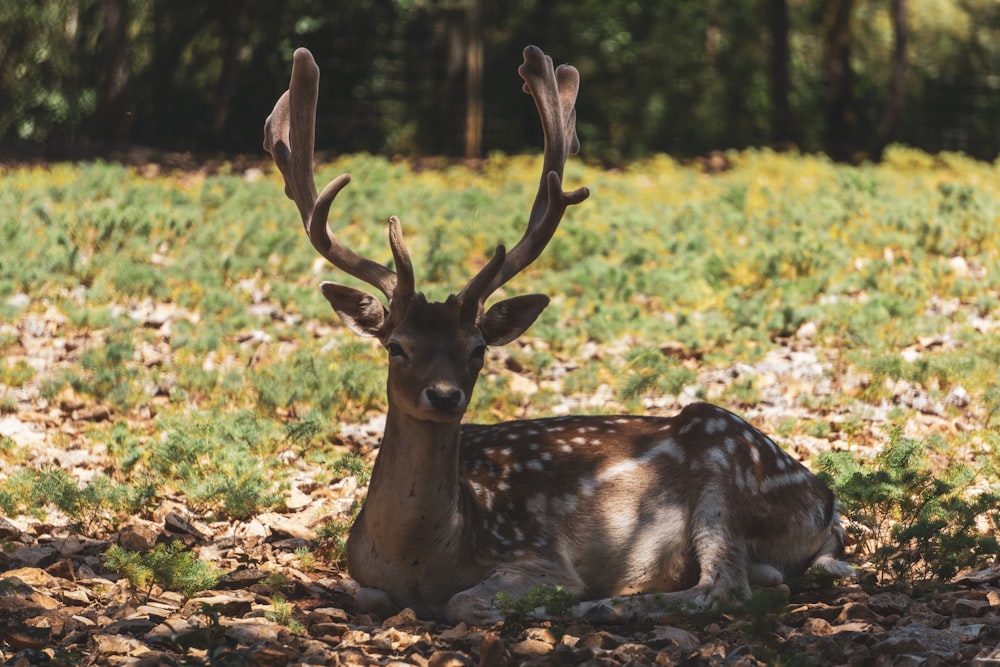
(435, 350)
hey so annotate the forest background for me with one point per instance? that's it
(425, 77)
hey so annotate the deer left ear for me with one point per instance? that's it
(360, 311)
(508, 319)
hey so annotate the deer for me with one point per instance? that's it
(630, 513)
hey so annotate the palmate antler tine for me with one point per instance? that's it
(289, 136)
(554, 91)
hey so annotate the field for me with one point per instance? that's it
(170, 371)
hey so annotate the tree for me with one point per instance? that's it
(113, 117)
(781, 81)
(891, 117)
(840, 116)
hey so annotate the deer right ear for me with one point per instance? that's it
(508, 319)
(360, 311)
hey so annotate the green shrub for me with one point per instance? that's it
(169, 565)
(913, 523)
(100, 502)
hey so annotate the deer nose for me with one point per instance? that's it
(444, 399)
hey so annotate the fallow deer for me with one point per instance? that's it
(689, 509)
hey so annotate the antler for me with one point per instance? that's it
(554, 91)
(289, 136)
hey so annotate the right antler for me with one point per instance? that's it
(289, 135)
(554, 91)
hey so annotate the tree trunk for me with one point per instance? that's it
(474, 83)
(893, 114)
(113, 117)
(840, 115)
(782, 134)
(231, 23)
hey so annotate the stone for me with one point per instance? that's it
(541, 634)
(602, 639)
(19, 636)
(32, 576)
(965, 608)
(448, 659)
(34, 556)
(818, 627)
(857, 611)
(105, 644)
(406, 617)
(531, 647)
(919, 639)
(458, 632)
(666, 635)
(236, 603)
(889, 603)
(136, 537)
(8, 530)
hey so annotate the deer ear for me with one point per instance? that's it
(360, 311)
(508, 319)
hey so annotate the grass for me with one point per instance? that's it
(895, 268)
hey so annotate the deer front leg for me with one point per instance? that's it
(476, 605)
(376, 601)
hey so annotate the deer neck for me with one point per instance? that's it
(413, 502)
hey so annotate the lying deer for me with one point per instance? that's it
(688, 510)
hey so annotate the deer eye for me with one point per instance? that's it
(478, 353)
(395, 350)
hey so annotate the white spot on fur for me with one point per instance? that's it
(718, 459)
(667, 447)
(716, 425)
(617, 470)
(785, 480)
(694, 423)
(537, 504)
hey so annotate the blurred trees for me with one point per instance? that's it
(439, 76)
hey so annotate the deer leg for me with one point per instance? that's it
(722, 556)
(762, 574)
(375, 601)
(476, 605)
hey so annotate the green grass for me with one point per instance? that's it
(894, 267)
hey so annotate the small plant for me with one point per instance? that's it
(220, 462)
(353, 464)
(914, 524)
(307, 561)
(169, 565)
(332, 536)
(17, 374)
(744, 391)
(557, 602)
(282, 613)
